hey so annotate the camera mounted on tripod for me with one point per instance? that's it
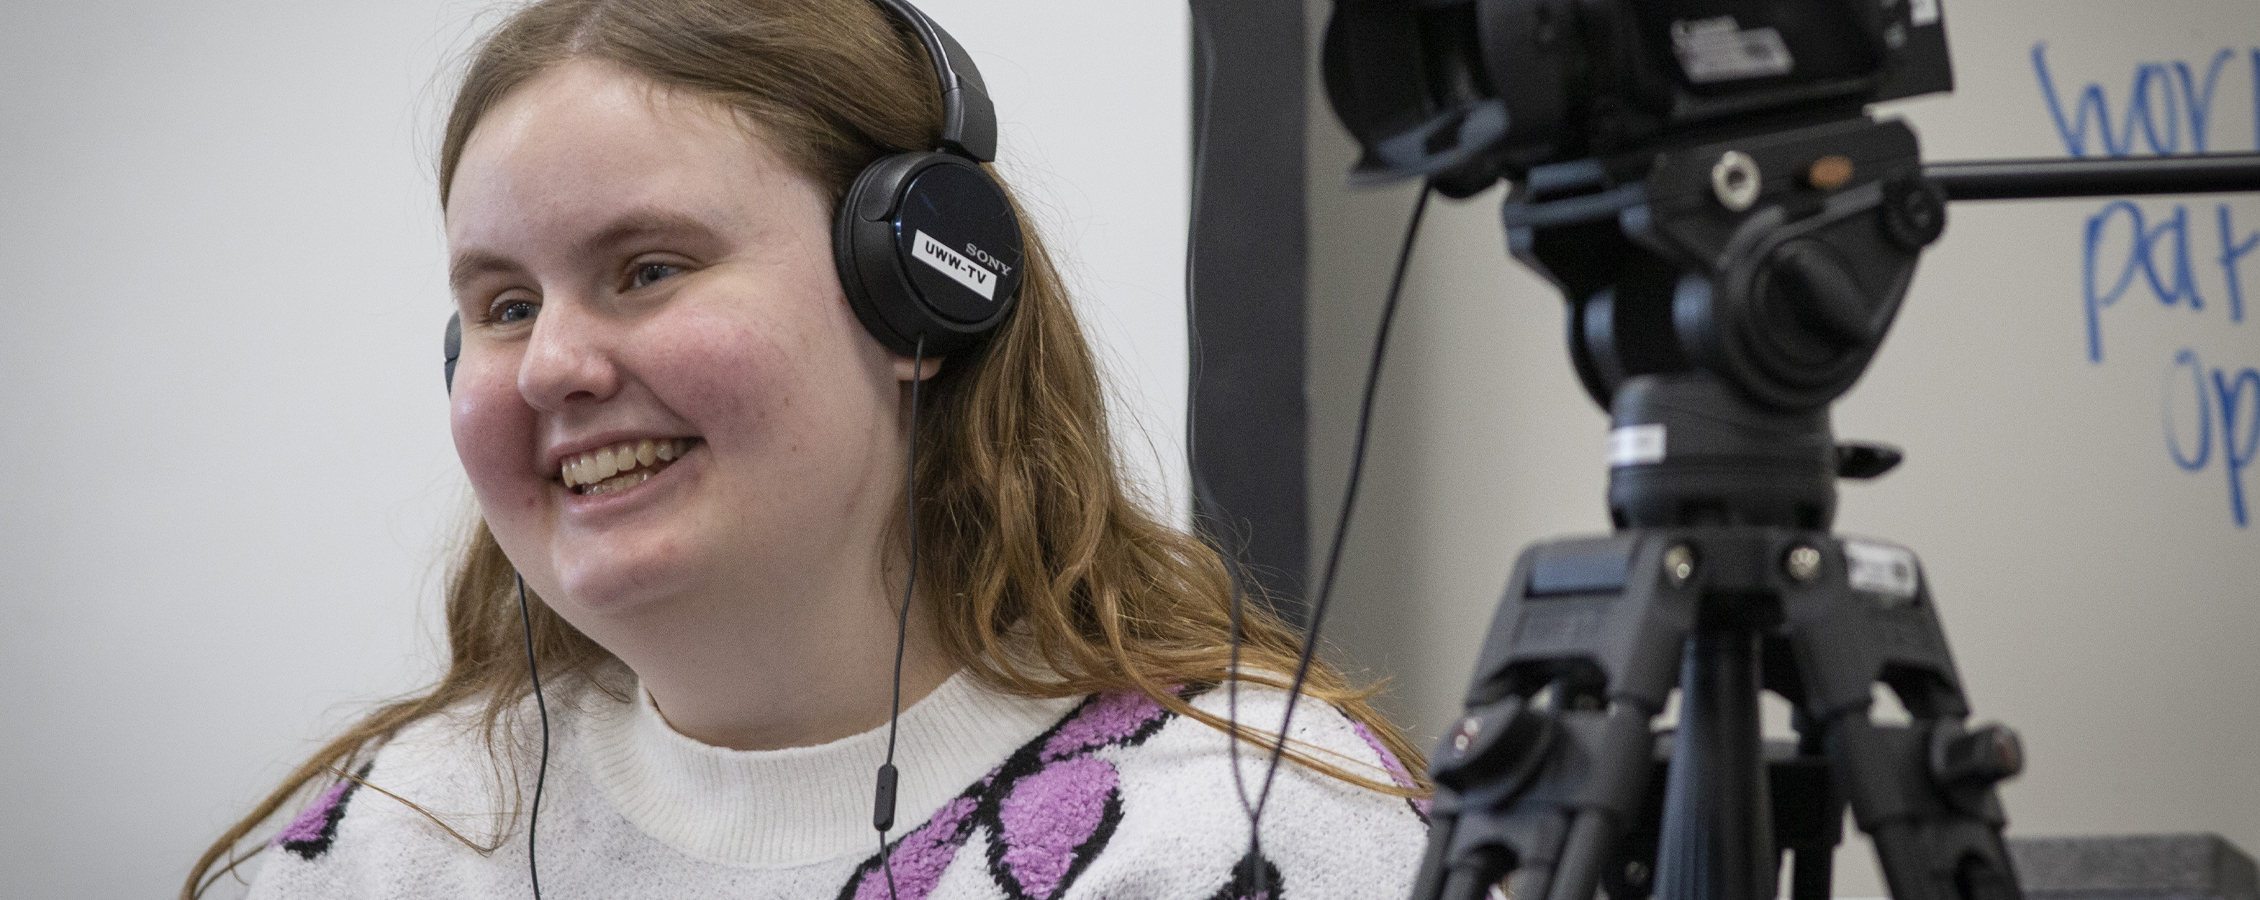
(1733, 235)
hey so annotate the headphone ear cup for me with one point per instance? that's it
(928, 246)
(453, 347)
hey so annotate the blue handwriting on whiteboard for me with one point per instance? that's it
(2162, 100)
(2168, 108)
(2219, 401)
(2160, 252)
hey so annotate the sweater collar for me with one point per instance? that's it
(776, 808)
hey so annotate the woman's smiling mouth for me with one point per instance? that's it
(621, 466)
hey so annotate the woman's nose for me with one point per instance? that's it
(568, 359)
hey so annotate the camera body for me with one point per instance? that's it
(1470, 91)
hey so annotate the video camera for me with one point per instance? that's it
(1466, 92)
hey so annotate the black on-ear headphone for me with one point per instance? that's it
(454, 347)
(927, 244)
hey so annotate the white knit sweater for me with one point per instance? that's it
(1001, 798)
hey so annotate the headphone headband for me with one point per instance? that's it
(969, 118)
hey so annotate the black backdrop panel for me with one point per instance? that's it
(1248, 416)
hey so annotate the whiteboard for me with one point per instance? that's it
(2082, 483)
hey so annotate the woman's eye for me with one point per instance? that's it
(509, 311)
(648, 273)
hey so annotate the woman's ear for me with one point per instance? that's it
(904, 369)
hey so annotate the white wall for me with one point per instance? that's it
(2099, 598)
(224, 288)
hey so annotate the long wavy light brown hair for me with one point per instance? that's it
(1048, 577)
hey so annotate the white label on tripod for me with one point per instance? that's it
(1880, 568)
(1636, 445)
(1923, 12)
(1720, 49)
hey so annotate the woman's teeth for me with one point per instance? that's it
(621, 466)
(618, 482)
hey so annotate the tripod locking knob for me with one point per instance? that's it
(1976, 758)
(1503, 742)
(1914, 211)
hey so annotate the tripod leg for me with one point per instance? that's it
(1554, 756)
(1591, 837)
(1933, 840)
(1620, 782)
(1812, 875)
(1924, 792)
(1717, 838)
(1433, 861)
(1815, 836)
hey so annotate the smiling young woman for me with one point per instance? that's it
(686, 443)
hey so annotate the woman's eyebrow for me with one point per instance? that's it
(636, 224)
(633, 225)
(471, 264)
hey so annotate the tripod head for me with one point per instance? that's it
(1722, 301)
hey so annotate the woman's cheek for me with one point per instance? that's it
(493, 430)
(713, 367)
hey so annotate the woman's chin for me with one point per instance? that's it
(612, 587)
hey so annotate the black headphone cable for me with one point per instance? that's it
(1341, 521)
(883, 809)
(533, 820)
